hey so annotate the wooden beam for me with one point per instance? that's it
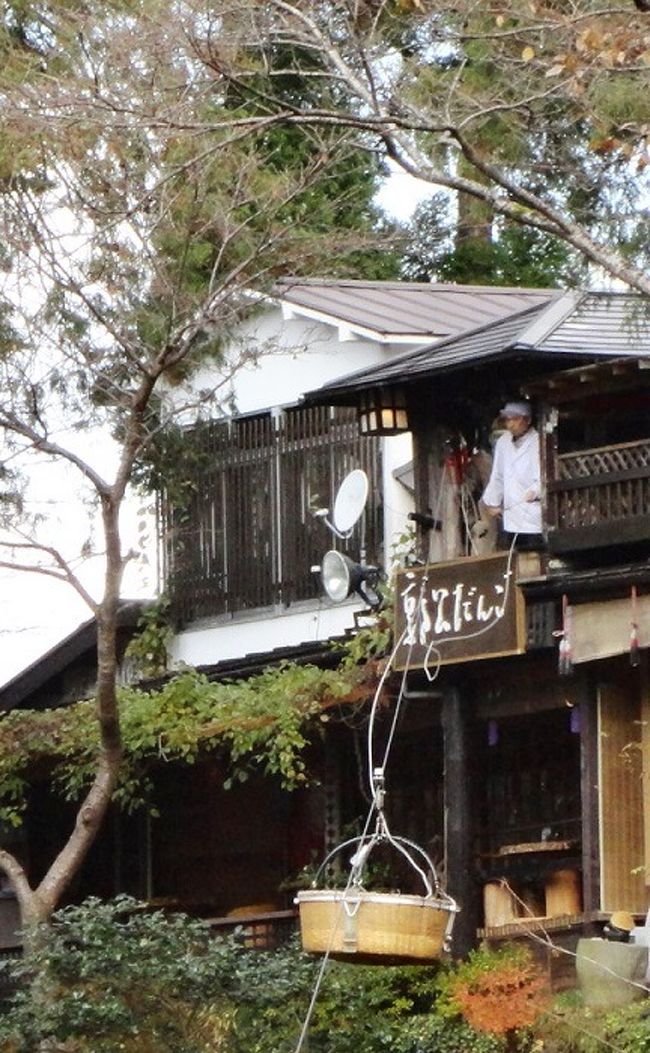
(588, 709)
(615, 532)
(458, 731)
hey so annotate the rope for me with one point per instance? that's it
(326, 957)
(376, 788)
(546, 941)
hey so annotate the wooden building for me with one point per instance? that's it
(527, 786)
(544, 776)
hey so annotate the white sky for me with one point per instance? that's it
(36, 611)
(402, 193)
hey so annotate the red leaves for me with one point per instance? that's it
(508, 996)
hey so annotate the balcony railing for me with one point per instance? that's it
(600, 496)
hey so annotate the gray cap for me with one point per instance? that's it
(516, 409)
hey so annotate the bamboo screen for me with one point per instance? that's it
(621, 801)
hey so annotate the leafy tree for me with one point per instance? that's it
(535, 109)
(140, 202)
(507, 254)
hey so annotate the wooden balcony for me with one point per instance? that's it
(599, 497)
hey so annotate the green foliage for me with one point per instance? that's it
(116, 977)
(263, 723)
(512, 256)
(571, 1028)
(370, 642)
(148, 649)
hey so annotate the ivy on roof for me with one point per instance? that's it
(264, 723)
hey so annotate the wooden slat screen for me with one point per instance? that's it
(621, 801)
(248, 537)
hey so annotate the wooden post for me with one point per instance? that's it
(457, 723)
(548, 456)
(589, 794)
(644, 674)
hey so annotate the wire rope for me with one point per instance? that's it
(373, 805)
(376, 788)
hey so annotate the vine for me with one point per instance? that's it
(148, 650)
(263, 723)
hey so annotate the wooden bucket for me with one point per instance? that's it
(563, 893)
(356, 925)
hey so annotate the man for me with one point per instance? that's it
(514, 488)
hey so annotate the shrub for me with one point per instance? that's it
(496, 992)
(571, 1028)
(118, 978)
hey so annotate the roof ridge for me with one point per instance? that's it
(405, 285)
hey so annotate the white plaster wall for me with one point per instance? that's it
(292, 356)
(207, 643)
(398, 500)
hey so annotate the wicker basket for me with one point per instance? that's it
(361, 926)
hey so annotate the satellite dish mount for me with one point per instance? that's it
(340, 575)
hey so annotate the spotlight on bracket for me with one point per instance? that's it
(341, 576)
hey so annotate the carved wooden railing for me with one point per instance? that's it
(600, 496)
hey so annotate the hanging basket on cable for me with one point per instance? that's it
(357, 925)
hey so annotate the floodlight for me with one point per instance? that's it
(341, 576)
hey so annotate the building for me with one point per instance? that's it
(541, 722)
(502, 769)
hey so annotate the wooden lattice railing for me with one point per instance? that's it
(606, 489)
(246, 537)
(605, 460)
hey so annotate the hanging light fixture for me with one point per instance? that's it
(383, 412)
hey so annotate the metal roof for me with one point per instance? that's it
(575, 323)
(604, 323)
(415, 309)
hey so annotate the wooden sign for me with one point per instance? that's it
(459, 611)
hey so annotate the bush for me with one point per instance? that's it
(496, 992)
(118, 978)
(571, 1028)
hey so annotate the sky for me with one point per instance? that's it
(37, 612)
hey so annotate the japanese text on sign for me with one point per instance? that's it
(458, 612)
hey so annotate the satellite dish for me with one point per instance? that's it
(350, 501)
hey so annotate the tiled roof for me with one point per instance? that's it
(577, 323)
(417, 309)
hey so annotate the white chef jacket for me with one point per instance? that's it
(516, 471)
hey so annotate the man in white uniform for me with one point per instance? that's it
(514, 488)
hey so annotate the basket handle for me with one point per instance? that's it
(430, 882)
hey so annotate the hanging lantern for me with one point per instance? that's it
(383, 412)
